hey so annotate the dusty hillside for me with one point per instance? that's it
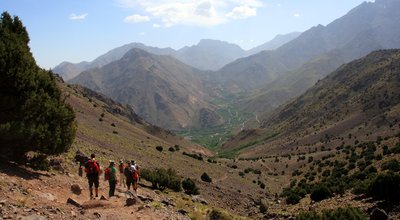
(114, 131)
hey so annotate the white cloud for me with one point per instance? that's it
(156, 26)
(74, 16)
(136, 18)
(242, 12)
(297, 15)
(194, 12)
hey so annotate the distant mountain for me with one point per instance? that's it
(69, 70)
(161, 89)
(368, 27)
(206, 55)
(360, 98)
(210, 54)
(275, 43)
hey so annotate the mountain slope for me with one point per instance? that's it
(368, 27)
(161, 89)
(361, 98)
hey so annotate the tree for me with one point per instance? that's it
(190, 187)
(33, 116)
(206, 178)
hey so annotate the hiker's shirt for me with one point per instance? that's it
(112, 175)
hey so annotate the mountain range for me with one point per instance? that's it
(177, 96)
(206, 55)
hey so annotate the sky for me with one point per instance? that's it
(81, 30)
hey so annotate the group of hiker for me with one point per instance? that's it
(128, 173)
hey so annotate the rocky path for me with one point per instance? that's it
(30, 195)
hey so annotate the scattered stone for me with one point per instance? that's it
(168, 202)
(130, 201)
(145, 199)
(34, 217)
(76, 189)
(73, 213)
(182, 211)
(48, 196)
(97, 214)
(82, 212)
(3, 202)
(199, 200)
(378, 214)
(103, 198)
(7, 217)
(74, 203)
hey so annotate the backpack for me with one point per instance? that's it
(92, 167)
(133, 173)
(107, 174)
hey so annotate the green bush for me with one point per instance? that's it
(293, 198)
(206, 178)
(33, 113)
(263, 206)
(190, 187)
(159, 148)
(348, 213)
(162, 178)
(392, 165)
(320, 192)
(171, 149)
(385, 186)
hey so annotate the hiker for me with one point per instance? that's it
(135, 175)
(110, 174)
(92, 169)
(121, 168)
(128, 172)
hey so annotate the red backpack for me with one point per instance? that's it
(107, 174)
(92, 167)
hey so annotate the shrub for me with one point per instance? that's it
(320, 192)
(190, 187)
(263, 206)
(348, 213)
(385, 186)
(392, 165)
(159, 148)
(162, 178)
(171, 149)
(206, 178)
(293, 198)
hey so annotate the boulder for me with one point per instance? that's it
(76, 189)
(73, 202)
(199, 200)
(130, 201)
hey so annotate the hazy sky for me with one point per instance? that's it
(81, 30)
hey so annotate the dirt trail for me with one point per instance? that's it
(26, 193)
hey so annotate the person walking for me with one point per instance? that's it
(121, 168)
(92, 169)
(128, 171)
(110, 174)
(135, 174)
